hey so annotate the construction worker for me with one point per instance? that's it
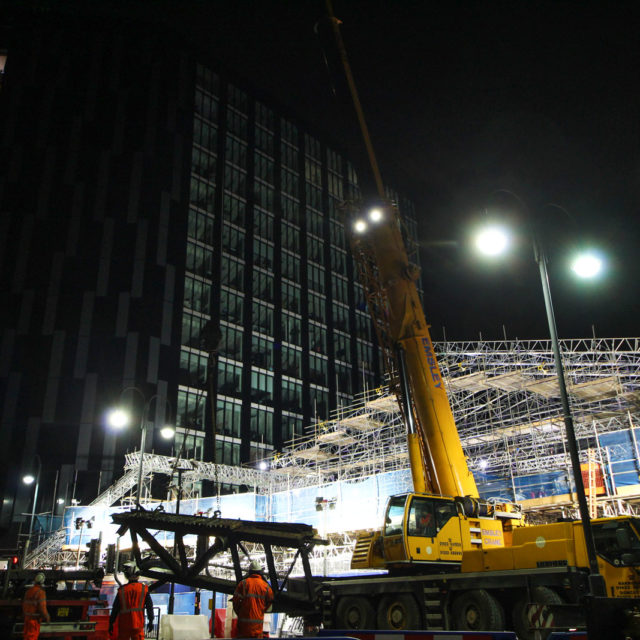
(34, 608)
(252, 597)
(129, 605)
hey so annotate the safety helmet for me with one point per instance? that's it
(39, 579)
(131, 569)
(255, 566)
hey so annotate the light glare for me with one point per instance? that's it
(167, 432)
(375, 215)
(587, 265)
(28, 479)
(492, 241)
(263, 465)
(118, 419)
(360, 226)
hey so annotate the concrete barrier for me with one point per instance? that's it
(183, 627)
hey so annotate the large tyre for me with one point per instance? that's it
(477, 610)
(355, 612)
(399, 612)
(540, 595)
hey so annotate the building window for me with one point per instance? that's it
(291, 359)
(206, 106)
(193, 369)
(342, 345)
(289, 183)
(196, 295)
(263, 257)
(200, 226)
(262, 352)
(314, 199)
(191, 408)
(363, 326)
(231, 343)
(261, 425)
(290, 237)
(290, 266)
(313, 172)
(263, 224)
(291, 329)
(341, 317)
(337, 236)
(291, 297)
(231, 305)
(314, 223)
(340, 289)
(343, 378)
(335, 186)
(235, 180)
(315, 250)
(228, 417)
(317, 338)
(203, 164)
(289, 157)
(199, 260)
(264, 140)
(319, 402)
(189, 443)
(291, 427)
(290, 210)
(263, 195)
(318, 370)
(202, 194)
(236, 152)
(289, 131)
(338, 261)
(228, 453)
(229, 378)
(261, 387)
(233, 240)
(192, 327)
(317, 307)
(315, 278)
(291, 395)
(234, 209)
(312, 147)
(205, 134)
(263, 167)
(262, 318)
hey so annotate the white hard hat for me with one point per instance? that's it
(39, 579)
(131, 569)
(255, 566)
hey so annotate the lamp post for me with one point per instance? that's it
(119, 419)
(28, 480)
(596, 580)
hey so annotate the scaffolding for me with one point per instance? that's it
(506, 403)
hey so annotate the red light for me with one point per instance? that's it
(14, 561)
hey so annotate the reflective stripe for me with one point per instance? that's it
(142, 598)
(254, 595)
(250, 620)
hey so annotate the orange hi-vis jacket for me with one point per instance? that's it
(34, 609)
(131, 615)
(251, 599)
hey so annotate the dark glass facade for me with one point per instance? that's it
(162, 227)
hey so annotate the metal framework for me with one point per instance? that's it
(506, 404)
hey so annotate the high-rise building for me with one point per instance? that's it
(168, 237)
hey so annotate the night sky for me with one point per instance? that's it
(464, 99)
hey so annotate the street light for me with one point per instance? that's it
(29, 479)
(586, 266)
(119, 419)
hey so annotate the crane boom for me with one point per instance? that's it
(438, 463)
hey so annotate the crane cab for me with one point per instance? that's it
(423, 530)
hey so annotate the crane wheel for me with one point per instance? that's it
(399, 612)
(477, 610)
(539, 595)
(355, 612)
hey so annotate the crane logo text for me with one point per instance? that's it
(431, 361)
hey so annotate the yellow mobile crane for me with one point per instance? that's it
(453, 561)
